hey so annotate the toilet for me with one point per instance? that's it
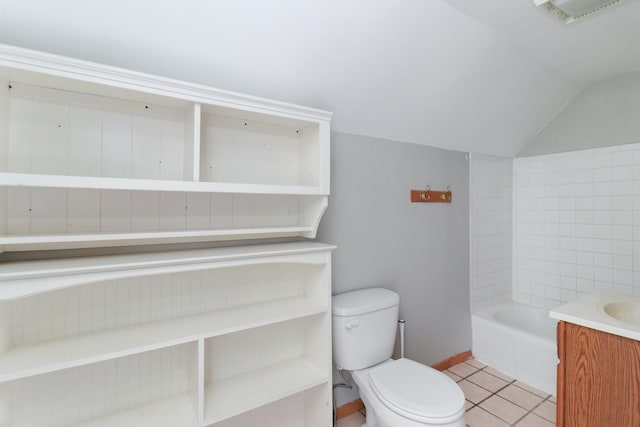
(396, 393)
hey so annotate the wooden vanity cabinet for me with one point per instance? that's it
(598, 378)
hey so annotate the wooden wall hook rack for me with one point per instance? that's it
(431, 196)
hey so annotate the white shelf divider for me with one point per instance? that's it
(192, 134)
(201, 384)
(176, 411)
(50, 356)
(237, 395)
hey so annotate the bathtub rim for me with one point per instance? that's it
(486, 315)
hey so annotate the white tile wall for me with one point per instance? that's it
(576, 224)
(491, 230)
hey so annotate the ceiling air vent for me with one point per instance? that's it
(569, 11)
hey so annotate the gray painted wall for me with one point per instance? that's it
(419, 250)
(604, 114)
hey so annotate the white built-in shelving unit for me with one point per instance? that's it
(218, 337)
(95, 156)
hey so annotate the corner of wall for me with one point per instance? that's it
(539, 144)
(491, 223)
(601, 114)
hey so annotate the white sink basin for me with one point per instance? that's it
(605, 311)
(626, 311)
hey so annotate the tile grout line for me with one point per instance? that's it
(531, 411)
(540, 404)
(512, 382)
(492, 393)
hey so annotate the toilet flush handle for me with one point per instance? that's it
(352, 323)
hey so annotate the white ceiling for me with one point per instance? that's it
(482, 76)
(598, 47)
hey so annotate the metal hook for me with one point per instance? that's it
(425, 194)
(447, 197)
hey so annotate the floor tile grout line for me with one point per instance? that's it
(520, 406)
(508, 383)
(496, 415)
(523, 417)
(492, 414)
(478, 370)
(512, 382)
(492, 393)
(540, 404)
(527, 413)
(531, 412)
(502, 419)
(546, 396)
(500, 389)
(484, 388)
(495, 376)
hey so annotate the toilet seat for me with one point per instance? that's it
(417, 392)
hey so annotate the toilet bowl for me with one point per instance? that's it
(396, 393)
(404, 393)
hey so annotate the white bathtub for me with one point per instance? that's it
(518, 340)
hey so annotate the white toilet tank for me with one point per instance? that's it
(364, 327)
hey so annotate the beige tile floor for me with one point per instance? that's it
(493, 399)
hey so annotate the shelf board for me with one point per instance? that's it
(50, 356)
(67, 241)
(239, 394)
(176, 411)
(25, 278)
(10, 179)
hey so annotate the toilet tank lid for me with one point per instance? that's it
(363, 301)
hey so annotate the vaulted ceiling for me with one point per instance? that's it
(481, 76)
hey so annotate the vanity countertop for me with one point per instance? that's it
(605, 311)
